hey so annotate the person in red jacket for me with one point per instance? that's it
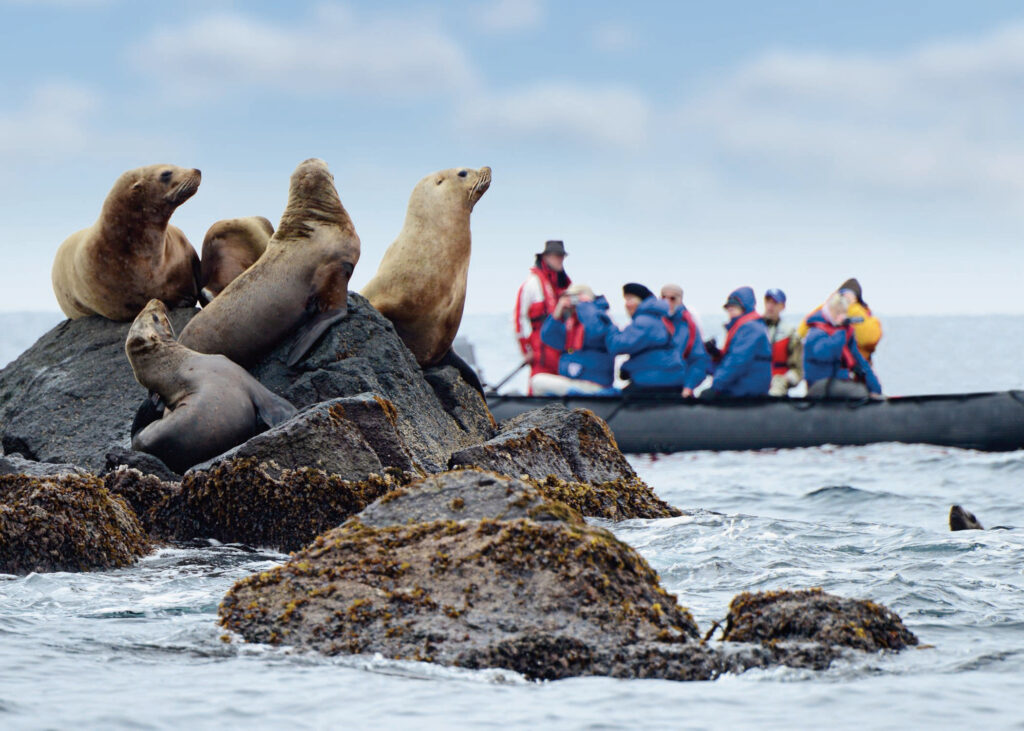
(535, 300)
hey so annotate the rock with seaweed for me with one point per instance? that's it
(574, 458)
(72, 395)
(65, 523)
(474, 569)
(262, 504)
(812, 615)
(363, 354)
(155, 501)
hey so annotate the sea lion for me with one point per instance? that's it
(210, 404)
(231, 246)
(301, 281)
(960, 519)
(131, 254)
(421, 283)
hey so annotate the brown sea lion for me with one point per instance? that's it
(231, 246)
(960, 519)
(300, 282)
(210, 404)
(131, 254)
(421, 282)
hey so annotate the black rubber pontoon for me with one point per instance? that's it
(986, 421)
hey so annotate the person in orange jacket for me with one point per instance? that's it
(535, 300)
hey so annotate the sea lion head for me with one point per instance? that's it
(960, 519)
(151, 329)
(312, 200)
(161, 186)
(465, 184)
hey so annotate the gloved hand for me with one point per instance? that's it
(712, 347)
(525, 347)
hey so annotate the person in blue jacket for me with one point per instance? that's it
(654, 362)
(687, 338)
(577, 327)
(833, 364)
(746, 365)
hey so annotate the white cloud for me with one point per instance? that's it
(334, 51)
(941, 118)
(558, 112)
(612, 38)
(54, 120)
(501, 16)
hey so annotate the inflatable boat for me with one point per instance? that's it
(986, 421)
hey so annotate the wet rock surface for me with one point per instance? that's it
(815, 616)
(72, 395)
(545, 597)
(65, 523)
(262, 504)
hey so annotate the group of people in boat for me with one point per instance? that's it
(567, 335)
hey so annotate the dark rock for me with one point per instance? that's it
(549, 598)
(147, 464)
(960, 519)
(813, 615)
(573, 445)
(261, 504)
(350, 437)
(363, 354)
(72, 395)
(14, 464)
(462, 401)
(150, 498)
(573, 457)
(66, 523)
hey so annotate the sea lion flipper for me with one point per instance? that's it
(152, 409)
(312, 331)
(327, 304)
(451, 358)
(271, 408)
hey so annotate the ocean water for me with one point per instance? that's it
(140, 647)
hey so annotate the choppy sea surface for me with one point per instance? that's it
(140, 647)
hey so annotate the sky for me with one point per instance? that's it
(715, 145)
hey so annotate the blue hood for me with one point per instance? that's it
(746, 297)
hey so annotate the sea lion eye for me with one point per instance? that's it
(155, 319)
(165, 176)
(440, 180)
(462, 173)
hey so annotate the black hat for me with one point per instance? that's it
(553, 247)
(637, 290)
(854, 286)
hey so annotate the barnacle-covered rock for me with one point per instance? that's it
(815, 616)
(65, 523)
(262, 504)
(536, 590)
